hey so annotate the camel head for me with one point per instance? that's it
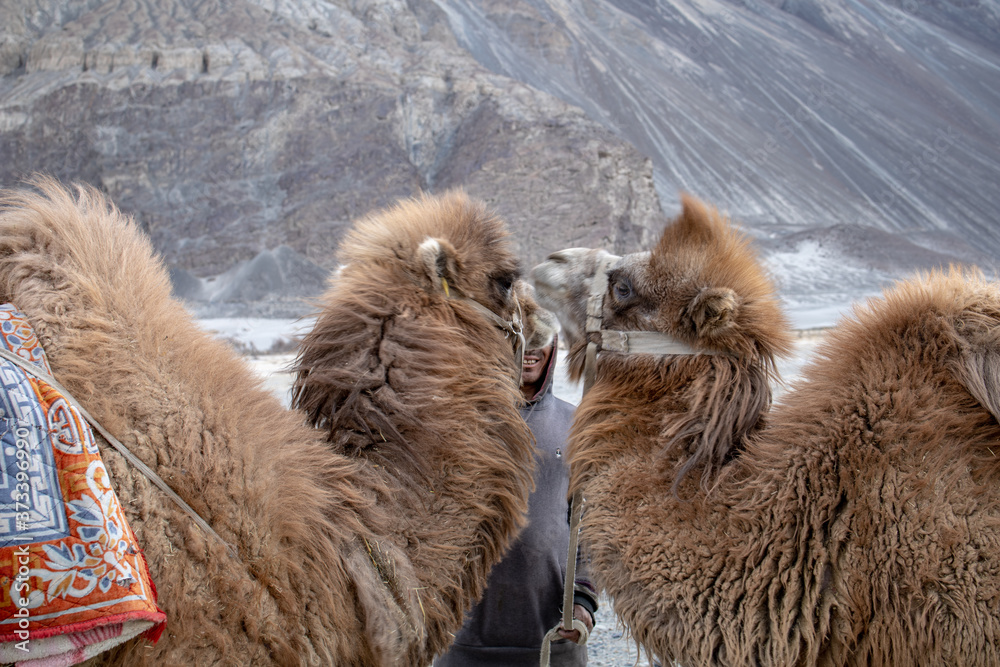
(697, 306)
(448, 245)
(430, 283)
(540, 325)
(702, 285)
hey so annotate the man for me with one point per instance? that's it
(524, 595)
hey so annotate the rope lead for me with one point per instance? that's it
(567, 620)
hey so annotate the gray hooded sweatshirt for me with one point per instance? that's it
(523, 598)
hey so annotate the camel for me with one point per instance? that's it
(360, 543)
(857, 522)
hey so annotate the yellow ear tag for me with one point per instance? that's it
(444, 284)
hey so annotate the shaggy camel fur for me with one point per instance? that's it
(364, 552)
(856, 523)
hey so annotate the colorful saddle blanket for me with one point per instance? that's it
(73, 581)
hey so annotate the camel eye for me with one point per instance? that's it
(622, 289)
(505, 283)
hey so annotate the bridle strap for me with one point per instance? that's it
(595, 319)
(511, 328)
(623, 342)
(644, 342)
(569, 584)
(598, 288)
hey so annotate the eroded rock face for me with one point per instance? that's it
(805, 113)
(232, 127)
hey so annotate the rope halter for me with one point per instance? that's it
(513, 327)
(623, 342)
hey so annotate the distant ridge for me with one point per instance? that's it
(788, 113)
(232, 127)
(857, 140)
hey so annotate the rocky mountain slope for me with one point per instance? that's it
(857, 139)
(232, 127)
(806, 113)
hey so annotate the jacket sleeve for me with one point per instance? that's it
(585, 596)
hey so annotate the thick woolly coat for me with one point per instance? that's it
(855, 523)
(342, 557)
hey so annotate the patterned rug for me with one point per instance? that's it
(73, 580)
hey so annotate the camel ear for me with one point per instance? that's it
(713, 310)
(439, 261)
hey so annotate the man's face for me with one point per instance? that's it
(535, 362)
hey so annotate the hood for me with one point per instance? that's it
(548, 373)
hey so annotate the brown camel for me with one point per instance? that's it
(855, 523)
(361, 544)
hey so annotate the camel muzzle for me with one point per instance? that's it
(623, 342)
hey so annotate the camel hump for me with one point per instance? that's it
(945, 323)
(75, 244)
